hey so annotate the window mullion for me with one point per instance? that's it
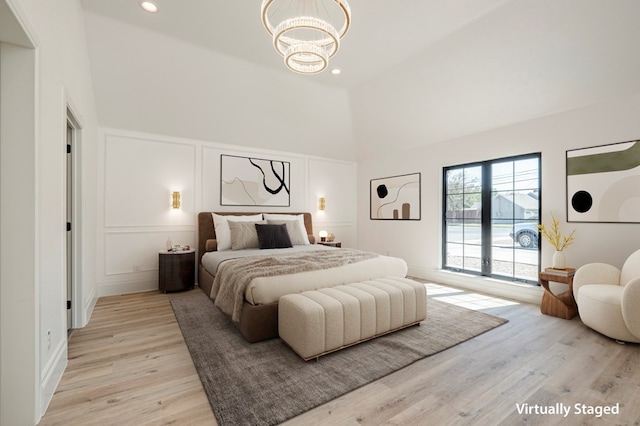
(486, 219)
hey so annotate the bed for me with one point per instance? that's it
(256, 310)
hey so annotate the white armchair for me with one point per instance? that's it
(608, 298)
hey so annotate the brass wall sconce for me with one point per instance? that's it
(176, 200)
(321, 204)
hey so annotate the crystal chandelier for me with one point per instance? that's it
(305, 33)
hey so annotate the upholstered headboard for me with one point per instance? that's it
(206, 230)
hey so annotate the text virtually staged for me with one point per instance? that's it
(564, 410)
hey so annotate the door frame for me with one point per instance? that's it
(74, 121)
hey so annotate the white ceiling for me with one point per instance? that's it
(415, 71)
(380, 36)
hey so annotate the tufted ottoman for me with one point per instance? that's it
(314, 323)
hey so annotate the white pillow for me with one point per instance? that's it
(296, 237)
(221, 225)
(300, 236)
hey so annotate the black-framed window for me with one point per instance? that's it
(491, 212)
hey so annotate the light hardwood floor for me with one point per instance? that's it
(130, 366)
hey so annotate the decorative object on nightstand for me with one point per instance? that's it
(555, 238)
(564, 272)
(176, 271)
(327, 239)
(561, 305)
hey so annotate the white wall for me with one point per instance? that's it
(18, 257)
(336, 181)
(138, 173)
(420, 242)
(149, 82)
(62, 79)
(523, 60)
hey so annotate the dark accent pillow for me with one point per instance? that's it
(273, 236)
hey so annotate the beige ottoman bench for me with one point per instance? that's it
(314, 323)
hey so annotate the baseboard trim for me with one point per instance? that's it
(492, 286)
(114, 289)
(89, 305)
(52, 374)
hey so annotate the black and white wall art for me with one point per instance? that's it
(249, 181)
(396, 198)
(603, 183)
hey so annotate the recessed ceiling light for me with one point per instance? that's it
(335, 71)
(149, 6)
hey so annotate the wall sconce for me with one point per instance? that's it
(321, 204)
(323, 236)
(176, 200)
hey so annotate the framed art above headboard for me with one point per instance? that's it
(250, 181)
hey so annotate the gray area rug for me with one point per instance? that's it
(266, 383)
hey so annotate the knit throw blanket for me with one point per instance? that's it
(234, 275)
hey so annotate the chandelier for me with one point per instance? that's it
(305, 31)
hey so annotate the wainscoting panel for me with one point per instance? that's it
(137, 252)
(336, 182)
(140, 176)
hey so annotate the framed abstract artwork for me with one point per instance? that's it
(603, 183)
(249, 181)
(395, 198)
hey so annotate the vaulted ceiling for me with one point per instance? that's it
(413, 72)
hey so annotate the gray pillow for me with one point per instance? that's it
(273, 236)
(243, 235)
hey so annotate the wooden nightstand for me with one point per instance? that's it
(561, 305)
(331, 243)
(176, 270)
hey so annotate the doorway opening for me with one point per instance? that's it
(72, 255)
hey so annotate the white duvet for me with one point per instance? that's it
(269, 289)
